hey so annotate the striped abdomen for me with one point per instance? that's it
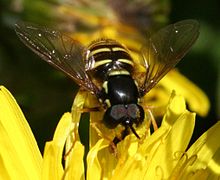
(105, 56)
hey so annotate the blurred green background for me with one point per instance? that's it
(45, 94)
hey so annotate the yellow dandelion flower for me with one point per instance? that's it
(161, 155)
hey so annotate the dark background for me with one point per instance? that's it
(203, 67)
(45, 94)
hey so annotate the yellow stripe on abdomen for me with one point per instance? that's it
(99, 50)
(127, 61)
(102, 62)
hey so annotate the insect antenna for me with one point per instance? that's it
(133, 130)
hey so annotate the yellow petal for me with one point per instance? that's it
(207, 150)
(52, 167)
(176, 107)
(63, 129)
(194, 96)
(94, 167)
(75, 168)
(131, 169)
(162, 147)
(53, 152)
(201, 174)
(19, 153)
(176, 140)
(78, 105)
(94, 136)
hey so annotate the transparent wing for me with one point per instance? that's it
(57, 49)
(165, 49)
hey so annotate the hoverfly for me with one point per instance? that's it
(110, 62)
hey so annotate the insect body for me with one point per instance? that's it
(110, 64)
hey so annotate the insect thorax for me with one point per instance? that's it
(106, 55)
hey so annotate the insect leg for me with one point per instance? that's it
(93, 109)
(152, 119)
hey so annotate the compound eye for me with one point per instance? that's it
(136, 112)
(133, 111)
(114, 116)
(118, 112)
